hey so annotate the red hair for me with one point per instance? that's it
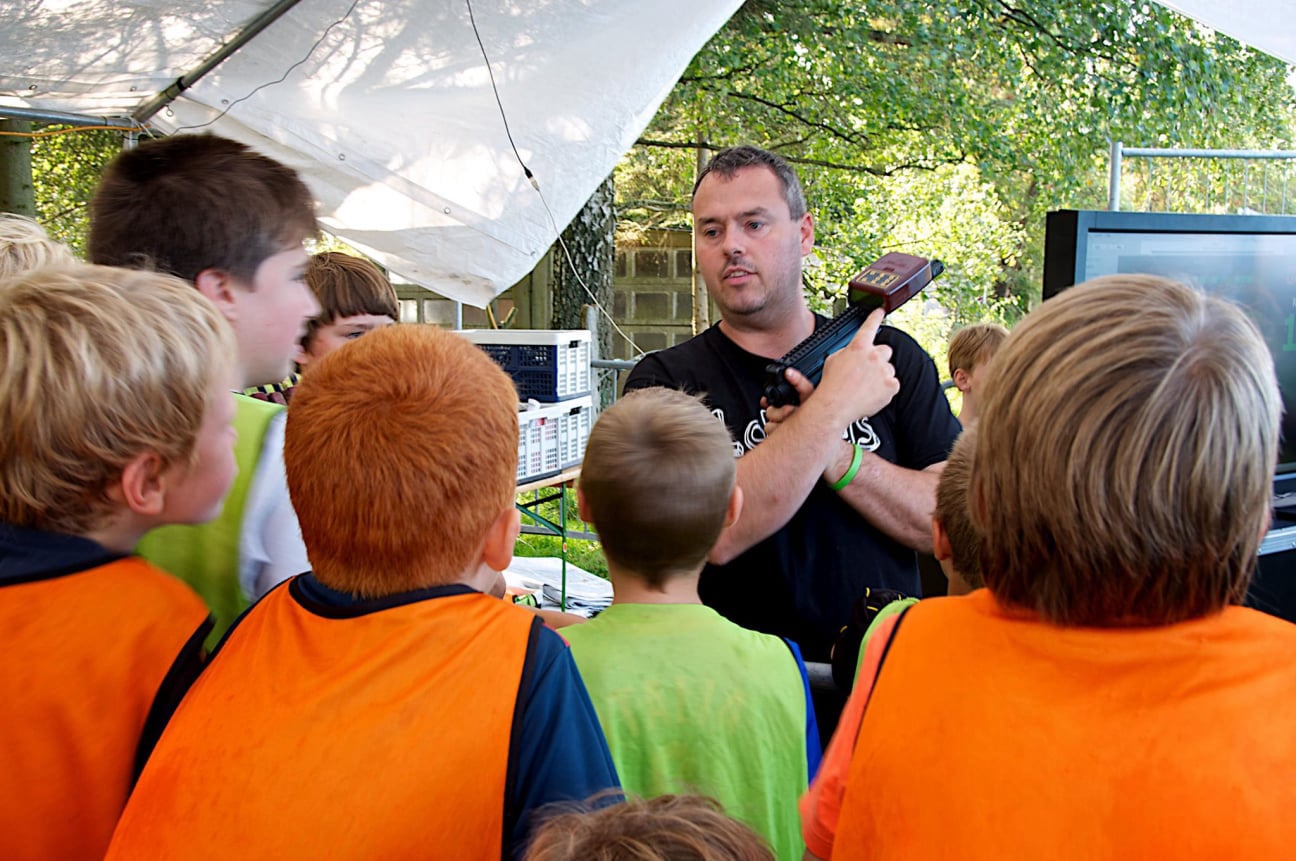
(400, 450)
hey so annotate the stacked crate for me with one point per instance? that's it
(551, 369)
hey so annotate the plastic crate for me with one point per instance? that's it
(574, 426)
(538, 442)
(546, 365)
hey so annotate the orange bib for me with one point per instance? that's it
(82, 660)
(1170, 742)
(383, 735)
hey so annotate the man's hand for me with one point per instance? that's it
(859, 379)
(862, 370)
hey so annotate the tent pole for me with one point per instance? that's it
(64, 117)
(146, 111)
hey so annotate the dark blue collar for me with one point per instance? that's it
(32, 554)
(332, 604)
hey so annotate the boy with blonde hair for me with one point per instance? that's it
(970, 351)
(232, 222)
(1118, 697)
(115, 404)
(684, 695)
(382, 706)
(24, 245)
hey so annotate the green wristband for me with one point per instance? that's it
(851, 471)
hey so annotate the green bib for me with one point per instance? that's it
(207, 556)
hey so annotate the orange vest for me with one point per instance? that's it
(1169, 742)
(82, 659)
(382, 735)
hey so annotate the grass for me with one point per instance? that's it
(585, 554)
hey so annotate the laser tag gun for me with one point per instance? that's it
(888, 283)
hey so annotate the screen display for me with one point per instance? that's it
(1254, 270)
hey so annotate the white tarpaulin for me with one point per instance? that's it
(1267, 25)
(391, 117)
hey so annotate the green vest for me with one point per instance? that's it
(206, 556)
(690, 702)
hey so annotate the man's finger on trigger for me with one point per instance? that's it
(871, 325)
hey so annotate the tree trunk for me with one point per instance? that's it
(16, 192)
(591, 245)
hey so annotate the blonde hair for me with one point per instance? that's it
(972, 345)
(24, 245)
(657, 476)
(401, 450)
(98, 365)
(1123, 467)
(665, 828)
(952, 510)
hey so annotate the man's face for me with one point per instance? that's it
(749, 247)
(270, 316)
(341, 331)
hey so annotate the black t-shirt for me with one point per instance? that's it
(801, 582)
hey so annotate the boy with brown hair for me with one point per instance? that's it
(381, 706)
(231, 222)
(957, 545)
(1119, 697)
(115, 404)
(970, 350)
(684, 695)
(355, 297)
(664, 828)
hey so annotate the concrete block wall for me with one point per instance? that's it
(652, 296)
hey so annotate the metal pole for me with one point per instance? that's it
(146, 111)
(1113, 182)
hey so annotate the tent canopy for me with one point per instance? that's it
(386, 107)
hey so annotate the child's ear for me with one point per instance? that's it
(941, 548)
(497, 550)
(962, 379)
(218, 286)
(142, 484)
(735, 507)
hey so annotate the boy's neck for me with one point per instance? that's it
(629, 587)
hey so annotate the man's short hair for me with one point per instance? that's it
(727, 163)
(400, 450)
(189, 203)
(24, 245)
(1124, 461)
(974, 344)
(657, 476)
(665, 828)
(97, 366)
(347, 286)
(952, 511)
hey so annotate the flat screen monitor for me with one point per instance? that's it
(1247, 259)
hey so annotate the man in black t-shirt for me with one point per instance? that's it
(838, 492)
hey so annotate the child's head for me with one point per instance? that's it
(1123, 470)
(354, 296)
(401, 454)
(231, 221)
(657, 482)
(955, 538)
(114, 386)
(665, 828)
(24, 245)
(970, 350)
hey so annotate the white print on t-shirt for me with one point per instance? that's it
(859, 432)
